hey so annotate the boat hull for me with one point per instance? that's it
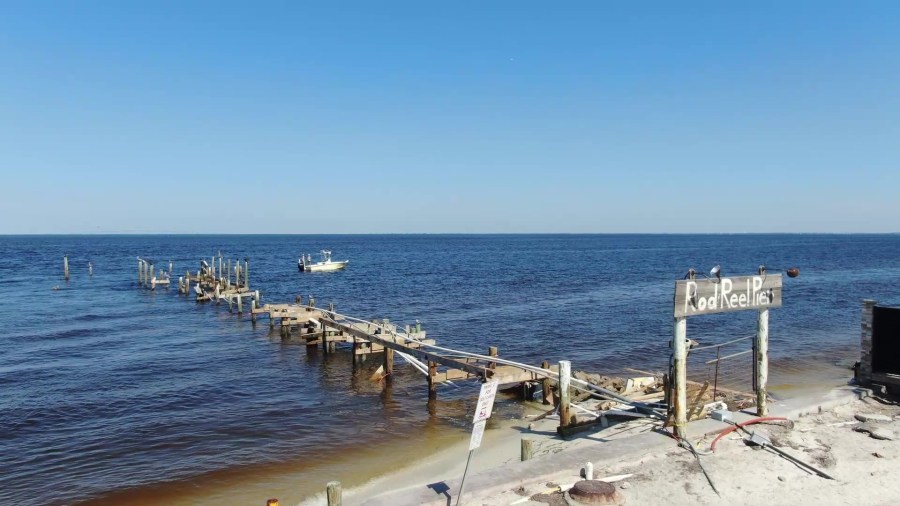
(324, 266)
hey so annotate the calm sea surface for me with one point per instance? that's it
(111, 392)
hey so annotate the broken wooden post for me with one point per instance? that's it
(90, 268)
(493, 351)
(246, 272)
(253, 309)
(66, 267)
(388, 363)
(546, 384)
(432, 384)
(240, 308)
(679, 373)
(526, 449)
(333, 491)
(565, 377)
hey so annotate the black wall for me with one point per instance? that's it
(886, 340)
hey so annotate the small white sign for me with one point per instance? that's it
(477, 433)
(486, 401)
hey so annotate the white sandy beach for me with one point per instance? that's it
(865, 469)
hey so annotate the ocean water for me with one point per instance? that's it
(113, 393)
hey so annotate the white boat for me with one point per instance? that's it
(327, 264)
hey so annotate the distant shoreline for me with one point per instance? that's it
(445, 234)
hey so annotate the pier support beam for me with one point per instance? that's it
(546, 385)
(66, 267)
(432, 385)
(388, 364)
(493, 351)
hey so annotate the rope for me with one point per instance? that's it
(698, 348)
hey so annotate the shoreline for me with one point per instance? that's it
(502, 443)
(649, 455)
(437, 452)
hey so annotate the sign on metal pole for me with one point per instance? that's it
(477, 433)
(482, 413)
(485, 401)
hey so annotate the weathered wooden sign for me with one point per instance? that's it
(714, 295)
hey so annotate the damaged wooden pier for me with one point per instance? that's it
(221, 280)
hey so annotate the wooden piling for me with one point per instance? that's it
(527, 449)
(493, 351)
(388, 363)
(333, 493)
(679, 373)
(565, 378)
(546, 385)
(66, 267)
(432, 385)
(247, 273)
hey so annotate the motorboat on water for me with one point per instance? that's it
(305, 264)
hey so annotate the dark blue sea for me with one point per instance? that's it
(110, 393)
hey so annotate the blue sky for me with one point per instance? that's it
(403, 117)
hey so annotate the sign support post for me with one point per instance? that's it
(679, 373)
(482, 413)
(695, 297)
(762, 357)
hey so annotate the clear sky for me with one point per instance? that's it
(449, 116)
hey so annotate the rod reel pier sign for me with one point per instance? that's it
(722, 295)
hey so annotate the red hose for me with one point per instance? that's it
(737, 426)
